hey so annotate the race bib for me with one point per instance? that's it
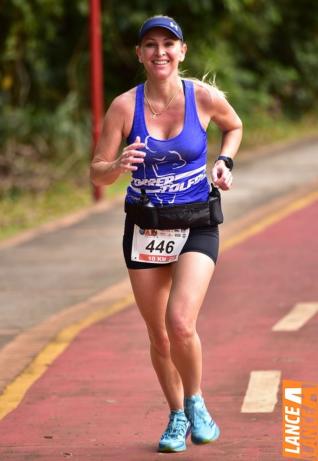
(157, 246)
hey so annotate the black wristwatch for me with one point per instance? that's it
(227, 160)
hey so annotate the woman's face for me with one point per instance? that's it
(160, 52)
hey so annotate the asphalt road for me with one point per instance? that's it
(45, 275)
(93, 395)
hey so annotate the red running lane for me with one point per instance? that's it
(100, 399)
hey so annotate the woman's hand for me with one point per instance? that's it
(131, 156)
(221, 175)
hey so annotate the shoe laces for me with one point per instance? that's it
(177, 425)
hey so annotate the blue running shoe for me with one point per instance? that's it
(174, 437)
(203, 428)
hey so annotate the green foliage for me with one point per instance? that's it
(256, 48)
(19, 212)
(39, 147)
(263, 54)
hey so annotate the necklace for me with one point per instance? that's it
(155, 114)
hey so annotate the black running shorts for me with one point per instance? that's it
(201, 239)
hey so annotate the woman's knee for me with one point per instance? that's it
(160, 342)
(179, 328)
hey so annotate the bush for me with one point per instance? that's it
(41, 147)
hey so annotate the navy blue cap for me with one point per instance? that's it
(161, 21)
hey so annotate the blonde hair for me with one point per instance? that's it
(206, 81)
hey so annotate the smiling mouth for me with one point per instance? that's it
(160, 63)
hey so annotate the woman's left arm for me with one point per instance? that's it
(225, 117)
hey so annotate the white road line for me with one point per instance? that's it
(299, 315)
(262, 390)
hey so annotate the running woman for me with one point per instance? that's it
(164, 122)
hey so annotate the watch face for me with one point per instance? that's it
(229, 163)
(227, 160)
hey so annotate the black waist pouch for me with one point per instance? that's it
(191, 215)
(146, 217)
(216, 214)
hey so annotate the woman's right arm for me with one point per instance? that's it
(106, 166)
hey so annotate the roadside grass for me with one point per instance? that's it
(263, 130)
(22, 211)
(28, 210)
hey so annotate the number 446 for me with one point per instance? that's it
(161, 247)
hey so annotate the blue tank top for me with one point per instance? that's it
(174, 169)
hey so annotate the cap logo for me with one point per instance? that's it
(172, 24)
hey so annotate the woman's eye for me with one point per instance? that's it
(152, 44)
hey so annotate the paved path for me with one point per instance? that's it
(100, 400)
(44, 275)
(46, 281)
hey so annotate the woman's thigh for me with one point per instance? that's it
(151, 289)
(190, 280)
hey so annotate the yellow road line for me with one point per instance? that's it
(272, 218)
(14, 392)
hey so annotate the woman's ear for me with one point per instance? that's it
(183, 52)
(138, 53)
